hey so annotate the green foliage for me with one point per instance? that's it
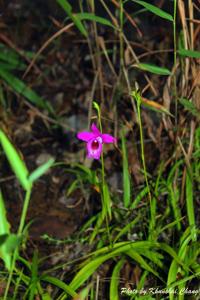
(9, 243)
(122, 230)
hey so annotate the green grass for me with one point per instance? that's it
(146, 236)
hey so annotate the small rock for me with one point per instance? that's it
(115, 181)
(43, 158)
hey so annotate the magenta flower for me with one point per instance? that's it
(95, 139)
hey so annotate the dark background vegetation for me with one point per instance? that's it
(64, 76)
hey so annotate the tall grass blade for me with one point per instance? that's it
(126, 175)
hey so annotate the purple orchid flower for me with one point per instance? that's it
(95, 139)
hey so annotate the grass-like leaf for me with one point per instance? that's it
(17, 164)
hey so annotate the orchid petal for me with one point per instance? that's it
(107, 138)
(95, 130)
(85, 136)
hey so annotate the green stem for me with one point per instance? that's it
(20, 229)
(137, 96)
(138, 100)
(121, 40)
(24, 211)
(175, 61)
(103, 184)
